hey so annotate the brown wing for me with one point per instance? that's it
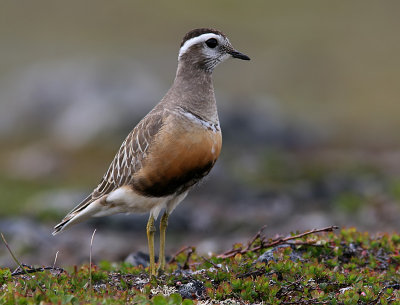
(128, 160)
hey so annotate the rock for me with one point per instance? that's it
(268, 255)
(138, 258)
(192, 290)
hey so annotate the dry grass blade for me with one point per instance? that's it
(11, 253)
(17, 261)
(55, 259)
(90, 262)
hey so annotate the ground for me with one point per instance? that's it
(325, 266)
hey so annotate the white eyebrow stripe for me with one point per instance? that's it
(194, 40)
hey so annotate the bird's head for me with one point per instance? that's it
(206, 48)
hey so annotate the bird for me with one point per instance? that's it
(170, 150)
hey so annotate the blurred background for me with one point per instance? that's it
(310, 125)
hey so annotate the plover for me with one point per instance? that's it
(171, 149)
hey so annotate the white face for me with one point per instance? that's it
(209, 52)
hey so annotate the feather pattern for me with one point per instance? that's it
(130, 156)
(128, 160)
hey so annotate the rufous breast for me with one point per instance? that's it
(182, 153)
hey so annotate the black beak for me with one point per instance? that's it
(236, 54)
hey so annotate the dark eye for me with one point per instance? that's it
(212, 43)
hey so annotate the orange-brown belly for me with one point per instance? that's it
(177, 161)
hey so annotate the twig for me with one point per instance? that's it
(190, 252)
(276, 242)
(249, 244)
(394, 286)
(31, 269)
(18, 263)
(284, 240)
(258, 235)
(212, 263)
(285, 290)
(256, 272)
(295, 283)
(308, 302)
(309, 244)
(173, 258)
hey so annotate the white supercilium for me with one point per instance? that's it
(195, 40)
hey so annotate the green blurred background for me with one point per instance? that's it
(310, 124)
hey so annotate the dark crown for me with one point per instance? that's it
(198, 32)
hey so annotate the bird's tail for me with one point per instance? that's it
(61, 226)
(86, 209)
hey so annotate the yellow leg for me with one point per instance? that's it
(163, 228)
(150, 239)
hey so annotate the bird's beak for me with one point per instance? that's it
(236, 54)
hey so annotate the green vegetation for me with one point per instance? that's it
(17, 192)
(348, 267)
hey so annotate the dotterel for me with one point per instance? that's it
(171, 149)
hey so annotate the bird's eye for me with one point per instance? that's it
(211, 43)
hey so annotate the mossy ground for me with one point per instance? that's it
(341, 267)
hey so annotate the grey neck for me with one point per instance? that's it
(193, 91)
